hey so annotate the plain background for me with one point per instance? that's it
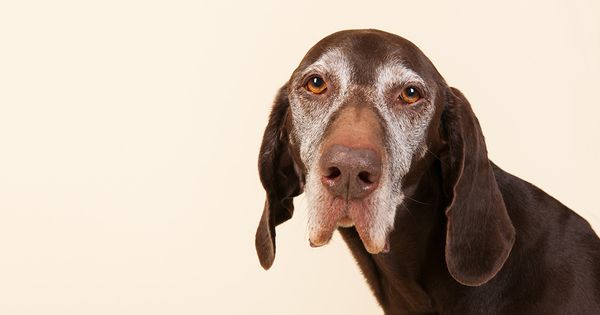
(129, 135)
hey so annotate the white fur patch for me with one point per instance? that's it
(310, 120)
(405, 131)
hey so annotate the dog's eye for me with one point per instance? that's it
(316, 85)
(410, 95)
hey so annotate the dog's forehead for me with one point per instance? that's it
(366, 51)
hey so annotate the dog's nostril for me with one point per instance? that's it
(365, 177)
(333, 173)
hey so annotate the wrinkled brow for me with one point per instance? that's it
(332, 62)
(395, 72)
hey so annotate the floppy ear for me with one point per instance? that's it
(279, 177)
(479, 233)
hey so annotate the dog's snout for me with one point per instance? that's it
(351, 173)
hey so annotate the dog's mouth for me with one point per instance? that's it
(349, 187)
(360, 214)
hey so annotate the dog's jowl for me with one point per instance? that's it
(394, 159)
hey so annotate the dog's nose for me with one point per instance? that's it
(350, 172)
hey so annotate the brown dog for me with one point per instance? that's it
(392, 157)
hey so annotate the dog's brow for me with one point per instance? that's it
(334, 62)
(395, 72)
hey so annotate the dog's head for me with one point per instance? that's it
(355, 126)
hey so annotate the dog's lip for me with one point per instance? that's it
(344, 213)
(386, 247)
(338, 216)
(321, 240)
(313, 244)
(378, 250)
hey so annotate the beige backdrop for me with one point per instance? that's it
(129, 133)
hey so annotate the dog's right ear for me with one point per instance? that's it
(279, 176)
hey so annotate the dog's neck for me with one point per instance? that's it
(398, 278)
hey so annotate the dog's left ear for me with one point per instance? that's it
(279, 176)
(479, 232)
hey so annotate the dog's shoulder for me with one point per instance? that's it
(527, 203)
(555, 248)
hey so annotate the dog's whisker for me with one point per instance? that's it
(434, 155)
(417, 201)
(408, 210)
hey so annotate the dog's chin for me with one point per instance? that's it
(359, 214)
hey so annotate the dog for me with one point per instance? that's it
(395, 160)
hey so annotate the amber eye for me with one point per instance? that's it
(410, 95)
(316, 85)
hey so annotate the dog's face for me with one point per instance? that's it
(361, 107)
(360, 119)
